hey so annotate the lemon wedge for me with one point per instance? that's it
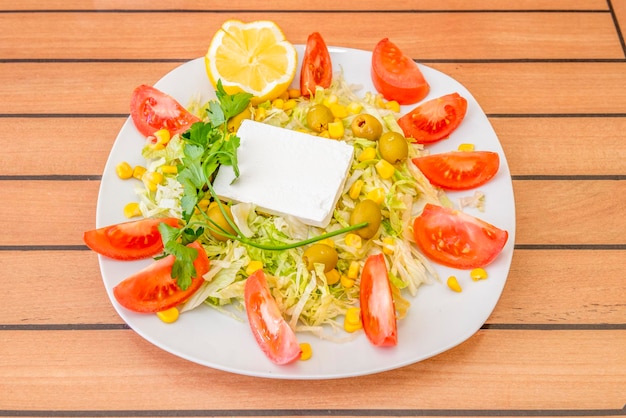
(251, 57)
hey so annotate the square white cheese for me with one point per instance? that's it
(284, 172)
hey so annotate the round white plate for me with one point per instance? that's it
(438, 320)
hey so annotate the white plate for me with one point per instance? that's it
(438, 320)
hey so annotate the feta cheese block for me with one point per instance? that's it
(284, 172)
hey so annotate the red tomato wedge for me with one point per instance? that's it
(456, 239)
(152, 110)
(317, 69)
(271, 331)
(459, 170)
(153, 289)
(435, 119)
(128, 240)
(378, 311)
(396, 76)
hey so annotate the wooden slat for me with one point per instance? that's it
(581, 212)
(500, 88)
(543, 370)
(585, 291)
(451, 5)
(422, 36)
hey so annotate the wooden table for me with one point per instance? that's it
(551, 76)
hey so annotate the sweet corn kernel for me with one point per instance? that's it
(253, 266)
(385, 169)
(354, 241)
(324, 134)
(259, 114)
(378, 101)
(306, 351)
(466, 147)
(478, 274)
(138, 172)
(290, 104)
(278, 103)
(377, 195)
(346, 281)
(338, 111)
(124, 170)
(293, 93)
(157, 147)
(355, 189)
(352, 321)
(330, 100)
(453, 284)
(169, 315)
(153, 177)
(327, 241)
(332, 276)
(132, 210)
(168, 169)
(284, 95)
(162, 136)
(353, 270)
(388, 245)
(368, 153)
(393, 106)
(335, 129)
(354, 108)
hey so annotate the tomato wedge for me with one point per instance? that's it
(459, 170)
(271, 331)
(153, 289)
(378, 311)
(317, 69)
(435, 119)
(456, 239)
(396, 76)
(152, 110)
(128, 240)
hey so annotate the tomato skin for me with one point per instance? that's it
(456, 239)
(276, 339)
(396, 76)
(317, 69)
(458, 170)
(152, 110)
(153, 289)
(435, 119)
(377, 307)
(127, 241)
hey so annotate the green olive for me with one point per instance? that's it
(216, 215)
(235, 122)
(318, 117)
(320, 254)
(366, 211)
(393, 147)
(366, 126)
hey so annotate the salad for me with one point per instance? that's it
(315, 276)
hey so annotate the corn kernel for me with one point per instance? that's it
(388, 245)
(338, 111)
(353, 270)
(466, 147)
(354, 241)
(378, 101)
(284, 95)
(346, 281)
(293, 93)
(377, 195)
(168, 169)
(156, 147)
(354, 108)
(169, 315)
(330, 100)
(306, 351)
(290, 104)
(393, 106)
(153, 177)
(352, 321)
(138, 172)
(385, 169)
(124, 170)
(324, 134)
(278, 103)
(162, 136)
(332, 276)
(335, 129)
(132, 210)
(478, 274)
(355, 189)
(368, 153)
(327, 241)
(259, 114)
(253, 266)
(453, 284)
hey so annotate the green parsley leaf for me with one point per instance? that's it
(234, 104)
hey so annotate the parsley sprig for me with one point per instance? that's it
(207, 145)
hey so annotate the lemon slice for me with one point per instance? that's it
(251, 57)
